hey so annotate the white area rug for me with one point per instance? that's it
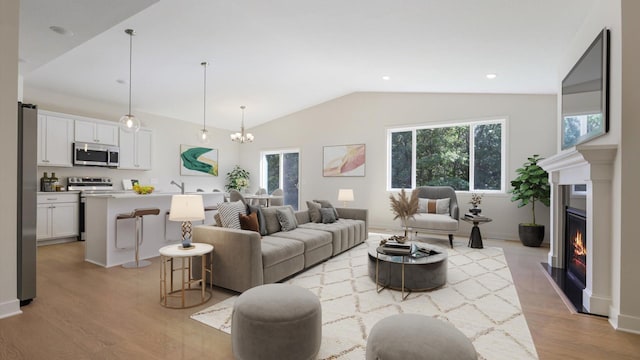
(479, 299)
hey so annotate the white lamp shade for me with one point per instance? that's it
(345, 195)
(186, 208)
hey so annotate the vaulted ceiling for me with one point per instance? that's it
(281, 56)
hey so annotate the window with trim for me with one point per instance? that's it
(466, 156)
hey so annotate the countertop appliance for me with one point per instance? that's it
(27, 203)
(87, 185)
(89, 154)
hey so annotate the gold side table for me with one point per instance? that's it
(168, 256)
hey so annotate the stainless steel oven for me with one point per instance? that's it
(88, 154)
(88, 185)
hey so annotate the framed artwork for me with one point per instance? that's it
(198, 161)
(344, 160)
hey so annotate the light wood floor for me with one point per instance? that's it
(84, 311)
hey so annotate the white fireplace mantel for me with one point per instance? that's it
(591, 165)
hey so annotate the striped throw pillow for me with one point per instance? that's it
(229, 212)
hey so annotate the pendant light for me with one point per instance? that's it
(130, 123)
(203, 135)
(242, 137)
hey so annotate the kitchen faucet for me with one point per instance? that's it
(181, 186)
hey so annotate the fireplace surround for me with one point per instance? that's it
(591, 165)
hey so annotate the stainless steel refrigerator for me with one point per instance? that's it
(27, 202)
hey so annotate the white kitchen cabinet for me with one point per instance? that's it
(55, 139)
(96, 132)
(57, 216)
(136, 149)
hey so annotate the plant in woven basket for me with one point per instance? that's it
(404, 207)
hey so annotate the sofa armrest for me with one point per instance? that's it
(237, 256)
(355, 214)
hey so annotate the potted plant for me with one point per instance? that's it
(531, 185)
(476, 199)
(404, 207)
(237, 179)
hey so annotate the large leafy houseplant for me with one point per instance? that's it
(237, 179)
(530, 186)
(404, 207)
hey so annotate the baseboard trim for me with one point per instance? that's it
(10, 308)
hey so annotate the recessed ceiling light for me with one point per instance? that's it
(491, 76)
(386, 77)
(61, 31)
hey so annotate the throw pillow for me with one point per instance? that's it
(249, 222)
(314, 211)
(328, 205)
(287, 219)
(216, 217)
(434, 206)
(229, 214)
(328, 216)
(262, 223)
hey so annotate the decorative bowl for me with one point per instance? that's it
(143, 189)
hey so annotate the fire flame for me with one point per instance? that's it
(578, 246)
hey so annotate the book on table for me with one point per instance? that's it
(475, 217)
(396, 248)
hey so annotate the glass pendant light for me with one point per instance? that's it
(129, 122)
(242, 137)
(203, 134)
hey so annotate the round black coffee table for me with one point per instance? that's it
(413, 272)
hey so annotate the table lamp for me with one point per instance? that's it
(345, 195)
(186, 208)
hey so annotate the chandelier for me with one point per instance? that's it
(129, 122)
(241, 136)
(203, 135)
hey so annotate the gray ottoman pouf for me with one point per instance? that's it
(276, 321)
(412, 336)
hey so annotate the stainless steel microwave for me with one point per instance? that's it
(95, 155)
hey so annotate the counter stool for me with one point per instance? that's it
(137, 214)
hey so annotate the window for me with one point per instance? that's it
(466, 156)
(280, 170)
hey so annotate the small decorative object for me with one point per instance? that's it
(344, 160)
(476, 200)
(404, 207)
(237, 179)
(186, 208)
(531, 185)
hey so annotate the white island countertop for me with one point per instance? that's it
(101, 211)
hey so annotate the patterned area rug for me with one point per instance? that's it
(479, 299)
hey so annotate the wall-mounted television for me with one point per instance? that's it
(585, 95)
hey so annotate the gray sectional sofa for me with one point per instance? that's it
(242, 259)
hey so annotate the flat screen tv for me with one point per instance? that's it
(585, 95)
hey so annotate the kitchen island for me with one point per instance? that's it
(101, 211)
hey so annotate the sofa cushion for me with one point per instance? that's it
(229, 214)
(311, 238)
(261, 220)
(433, 206)
(287, 219)
(314, 211)
(327, 204)
(271, 219)
(249, 222)
(328, 216)
(278, 249)
(433, 222)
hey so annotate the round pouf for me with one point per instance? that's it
(412, 336)
(276, 321)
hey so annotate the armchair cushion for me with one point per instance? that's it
(433, 206)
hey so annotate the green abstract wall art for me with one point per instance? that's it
(198, 161)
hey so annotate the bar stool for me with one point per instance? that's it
(137, 214)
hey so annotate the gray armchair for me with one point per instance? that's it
(439, 222)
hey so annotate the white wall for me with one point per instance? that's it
(168, 134)
(364, 118)
(9, 11)
(620, 16)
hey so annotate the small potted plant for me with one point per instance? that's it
(530, 186)
(404, 207)
(476, 200)
(237, 179)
